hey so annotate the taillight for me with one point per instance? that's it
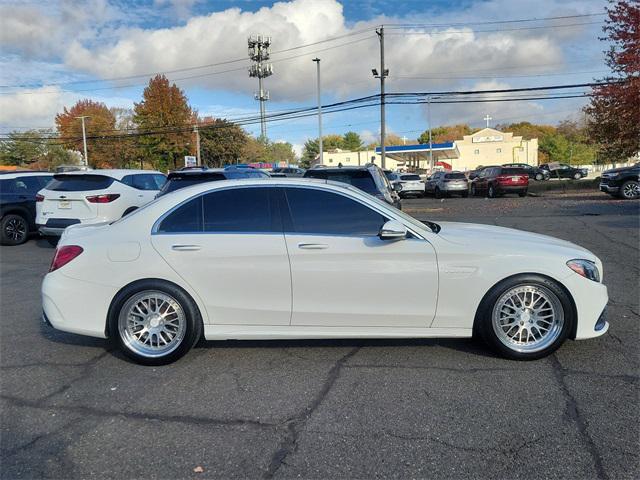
(39, 198)
(64, 255)
(104, 198)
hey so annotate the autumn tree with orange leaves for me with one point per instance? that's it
(615, 107)
(164, 120)
(99, 126)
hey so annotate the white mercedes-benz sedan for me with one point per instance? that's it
(287, 258)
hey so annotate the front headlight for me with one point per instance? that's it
(585, 268)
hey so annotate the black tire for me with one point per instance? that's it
(192, 320)
(483, 324)
(491, 192)
(437, 193)
(539, 177)
(53, 241)
(630, 190)
(465, 194)
(522, 194)
(473, 191)
(14, 229)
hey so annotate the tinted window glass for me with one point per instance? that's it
(315, 211)
(79, 183)
(358, 178)
(238, 210)
(144, 181)
(185, 219)
(454, 176)
(410, 177)
(233, 174)
(188, 180)
(512, 171)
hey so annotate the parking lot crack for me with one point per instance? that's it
(294, 424)
(573, 414)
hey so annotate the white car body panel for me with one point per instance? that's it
(243, 279)
(351, 281)
(439, 279)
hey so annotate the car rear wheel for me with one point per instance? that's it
(522, 194)
(630, 190)
(526, 317)
(15, 229)
(473, 191)
(155, 322)
(577, 176)
(491, 192)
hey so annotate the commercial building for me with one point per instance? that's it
(484, 147)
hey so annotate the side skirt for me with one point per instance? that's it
(267, 332)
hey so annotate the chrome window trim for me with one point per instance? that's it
(374, 207)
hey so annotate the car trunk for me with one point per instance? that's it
(66, 196)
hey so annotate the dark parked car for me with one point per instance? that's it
(535, 173)
(18, 204)
(497, 181)
(287, 172)
(622, 182)
(475, 173)
(192, 175)
(562, 170)
(368, 178)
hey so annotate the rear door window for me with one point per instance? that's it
(187, 218)
(327, 213)
(79, 183)
(144, 181)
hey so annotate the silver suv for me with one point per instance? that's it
(447, 183)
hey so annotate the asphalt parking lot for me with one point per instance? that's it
(74, 407)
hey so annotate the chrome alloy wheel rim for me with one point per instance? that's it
(152, 324)
(528, 318)
(631, 190)
(15, 229)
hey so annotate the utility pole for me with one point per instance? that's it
(197, 132)
(384, 73)
(430, 140)
(317, 60)
(84, 139)
(259, 52)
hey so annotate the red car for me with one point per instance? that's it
(497, 181)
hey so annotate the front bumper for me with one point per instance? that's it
(608, 188)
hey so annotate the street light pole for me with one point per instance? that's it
(383, 74)
(317, 60)
(84, 140)
(430, 140)
(197, 132)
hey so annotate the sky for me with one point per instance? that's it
(53, 53)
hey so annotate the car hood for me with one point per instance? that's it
(621, 169)
(508, 240)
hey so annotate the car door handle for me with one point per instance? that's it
(186, 248)
(313, 246)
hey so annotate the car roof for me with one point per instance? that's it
(113, 173)
(17, 174)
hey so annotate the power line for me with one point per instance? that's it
(473, 32)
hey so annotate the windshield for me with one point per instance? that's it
(455, 176)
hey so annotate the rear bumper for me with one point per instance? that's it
(455, 188)
(512, 188)
(55, 226)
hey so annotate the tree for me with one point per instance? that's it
(164, 109)
(35, 149)
(126, 152)
(351, 141)
(614, 114)
(100, 124)
(447, 133)
(280, 152)
(311, 148)
(221, 142)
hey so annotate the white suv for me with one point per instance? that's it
(93, 196)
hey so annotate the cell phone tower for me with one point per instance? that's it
(259, 53)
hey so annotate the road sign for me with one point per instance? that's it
(190, 161)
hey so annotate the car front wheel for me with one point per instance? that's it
(539, 177)
(15, 229)
(630, 190)
(526, 317)
(491, 192)
(577, 176)
(155, 322)
(473, 190)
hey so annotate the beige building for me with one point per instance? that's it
(484, 147)
(493, 147)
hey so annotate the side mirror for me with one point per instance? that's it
(392, 230)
